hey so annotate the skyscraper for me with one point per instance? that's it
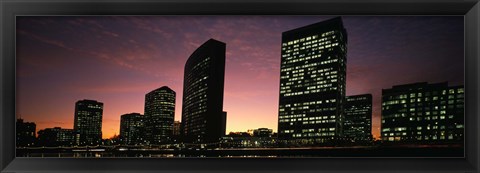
(132, 129)
(159, 115)
(358, 118)
(203, 85)
(25, 136)
(88, 122)
(312, 83)
(423, 113)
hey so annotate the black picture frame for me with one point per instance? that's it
(11, 8)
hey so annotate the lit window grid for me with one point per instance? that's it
(432, 114)
(88, 122)
(159, 113)
(195, 99)
(358, 121)
(299, 69)
(132, 129)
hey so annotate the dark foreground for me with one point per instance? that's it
(369, 151)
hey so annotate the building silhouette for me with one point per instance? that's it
(54, 137)
(312, 83)
(203, 119)
(224, 123)
(159, 115)
(423, 113)
(177, 126)
(25, 133)
(132, 129)
(88, 122)
(357, 126)
(262, 132)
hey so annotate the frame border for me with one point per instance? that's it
(11, 8)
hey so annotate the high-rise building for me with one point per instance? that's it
(159, 115)
(88, 122)
(25, 133)
(357, 126)
(423, 113)
(203, 83)
(132, 129)
(53, 137)
(312, 83)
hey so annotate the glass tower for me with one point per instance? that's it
(202, 112)
(88, 122)
(312, 83)
(159, 115)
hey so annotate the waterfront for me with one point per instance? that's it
(360, 151)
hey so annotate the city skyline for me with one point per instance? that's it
(237, 97)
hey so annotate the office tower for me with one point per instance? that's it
(54, 137)
(25, 133)
(132, 129)
(203, 84)
(262, 132)
(357, 126)
(423, 113)
(312, 83)
(88, 122)
(159, 115)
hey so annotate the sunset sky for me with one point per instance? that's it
(118, 59)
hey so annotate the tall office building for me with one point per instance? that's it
(312, 83)
(132, 129)
(423, 113)
(53, 137)
(25, 133)
(202, 112)
(159, 115)
(357, 126)
(88, 122)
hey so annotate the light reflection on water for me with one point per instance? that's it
(111, 155)
(251, 153)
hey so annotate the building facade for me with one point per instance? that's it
(423, 113)
(132, 129)
(312, 83)
(357, 126)
(88, 122)
(159, 115)
(203, 84)
(54, 137)
(25, 133)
